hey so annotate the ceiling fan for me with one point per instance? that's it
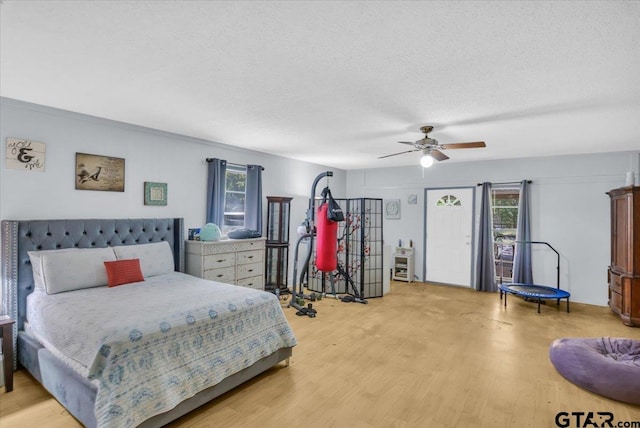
(431, 149)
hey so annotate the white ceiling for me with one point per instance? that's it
(339, 82)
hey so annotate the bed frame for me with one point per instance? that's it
(74, 392)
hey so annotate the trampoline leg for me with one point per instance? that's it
(538, 305)
(505, 300)
(567, 305)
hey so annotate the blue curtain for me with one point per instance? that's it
(253, 202)
(522, 268)
(485, 263)
(217, 172)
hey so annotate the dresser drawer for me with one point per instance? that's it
(226, 274)
(251, 269)
(615, 283)
(216, 261)
(254, 256)
(256, 282)
(241, 245)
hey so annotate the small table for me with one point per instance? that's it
(7, 350)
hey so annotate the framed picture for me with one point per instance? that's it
(412, 199)
(95, 172)
(392, 209)
(155, 193)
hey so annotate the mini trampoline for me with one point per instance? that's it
(532, 291)
(536, 292)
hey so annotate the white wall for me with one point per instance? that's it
(570, 209)
(150, 155)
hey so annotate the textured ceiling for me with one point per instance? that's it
(336, 82)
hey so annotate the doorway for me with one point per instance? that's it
(449, 235)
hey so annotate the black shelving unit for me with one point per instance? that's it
(277, 245)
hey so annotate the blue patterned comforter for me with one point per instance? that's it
(150, 345)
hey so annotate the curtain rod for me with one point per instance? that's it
(509, 182)
(209, 160)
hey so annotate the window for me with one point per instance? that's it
(504, 205)
(448, 201)
(234, 198)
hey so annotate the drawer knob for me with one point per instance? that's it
(219, 275)
(250, 270)
(221, 260)
(250, 257)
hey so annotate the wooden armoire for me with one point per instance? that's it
(624, 271)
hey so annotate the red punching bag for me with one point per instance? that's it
(326, 241)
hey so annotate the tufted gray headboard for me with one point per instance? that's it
(19, 237)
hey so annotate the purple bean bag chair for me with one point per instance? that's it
(607, 366)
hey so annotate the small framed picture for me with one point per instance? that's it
(392, 209)
(412, 199)
(155, 193)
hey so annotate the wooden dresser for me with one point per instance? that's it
(624, 271)
(239, 262)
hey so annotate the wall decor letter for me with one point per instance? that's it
(25, 155)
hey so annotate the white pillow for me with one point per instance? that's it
(155, 258)
(69, 269)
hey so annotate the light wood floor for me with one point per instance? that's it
(422, 356)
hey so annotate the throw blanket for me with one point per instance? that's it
(626, 351)
(152, 344)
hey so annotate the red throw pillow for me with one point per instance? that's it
(123, 272)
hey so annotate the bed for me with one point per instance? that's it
(139, 354)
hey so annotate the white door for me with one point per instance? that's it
(449, 228)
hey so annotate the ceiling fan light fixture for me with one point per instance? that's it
(431, 148)
(426, 160)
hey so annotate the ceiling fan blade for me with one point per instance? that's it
(438, 155)
(406, 142)
(401, 153)
(473, 145)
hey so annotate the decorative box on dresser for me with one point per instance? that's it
(233, 261)
(624, 271)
